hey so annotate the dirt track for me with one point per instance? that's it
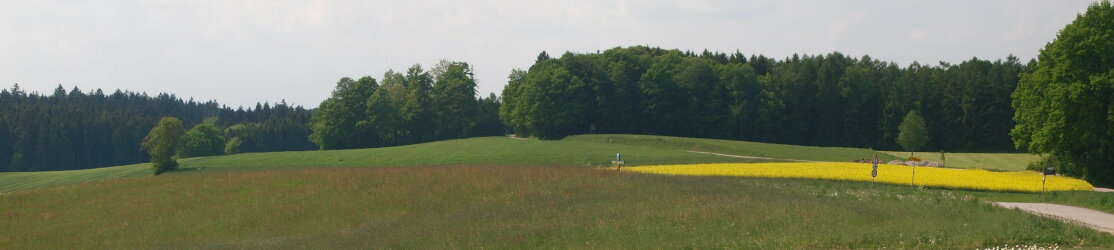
(1091, 218)
(747, 157)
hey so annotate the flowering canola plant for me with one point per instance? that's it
(975, 179)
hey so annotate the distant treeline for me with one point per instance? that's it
(399, 109)
(822, 100)
(78, 130)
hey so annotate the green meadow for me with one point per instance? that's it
(499, 192)
(510, 207)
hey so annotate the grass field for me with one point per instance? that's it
(12, 181)
(585, 150)
(436, 207)
(996, 161)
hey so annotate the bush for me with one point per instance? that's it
(1045, 162)
(233, 146)
(202, 140)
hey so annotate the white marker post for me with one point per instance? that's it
(618, 162)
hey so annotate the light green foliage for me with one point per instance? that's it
(233, 146)
(162, 143)
(510, 112)
(913, 134)
(1065, 103)
(202, 140)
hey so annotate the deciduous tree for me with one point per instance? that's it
(1065, 104)
(913, 135)
(162, 143)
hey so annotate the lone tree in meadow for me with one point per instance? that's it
(913, 134)
(162, 142)
(1065, 103)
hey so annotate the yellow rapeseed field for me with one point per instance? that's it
(975, 179)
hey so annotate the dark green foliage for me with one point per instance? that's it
(913, 135)
(78, 130)
(404, 109)
(487, 119)
(556, 103)
(825, 100)
(340, 121)
(454, 98)
(162, 142)
(1065, 103)
(202, 140)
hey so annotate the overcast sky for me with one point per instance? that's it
(243, 52)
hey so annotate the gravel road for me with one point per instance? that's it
(1091, 218)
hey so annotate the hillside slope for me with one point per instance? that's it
(583, 150)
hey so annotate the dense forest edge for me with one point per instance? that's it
(815, 100)
(76, 130)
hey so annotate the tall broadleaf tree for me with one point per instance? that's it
(454, 94)
(913, 135)
(1065, 104)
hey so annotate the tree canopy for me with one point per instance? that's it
(913, 134)
(399, 109)
(162, 143)
(202, 140)
(1065, 103)
(823, 100)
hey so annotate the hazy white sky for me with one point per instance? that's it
(243, 52)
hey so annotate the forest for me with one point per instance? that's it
(820, 100)
(77, 130)
(817, 100)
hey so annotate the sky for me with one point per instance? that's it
(242, 52)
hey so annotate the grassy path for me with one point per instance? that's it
(749, 157)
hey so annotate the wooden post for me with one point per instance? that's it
(1044, 181)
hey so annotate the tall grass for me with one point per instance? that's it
(507, 207)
